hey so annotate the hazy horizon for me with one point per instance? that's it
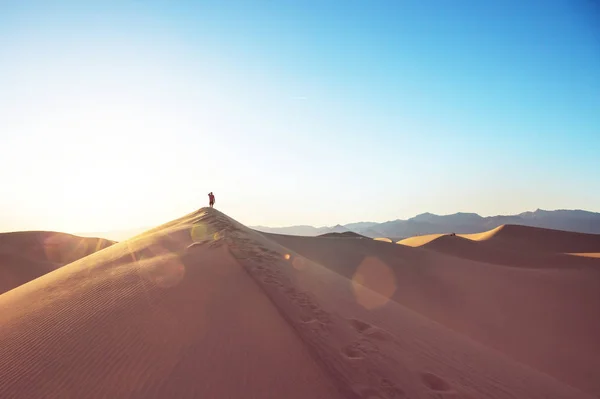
(119, 115)
(139, 229)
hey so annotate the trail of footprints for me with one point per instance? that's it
(310, 312)
(316, 318)
(437, 386)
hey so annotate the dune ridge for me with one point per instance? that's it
(523, 237)
(539, 239)
(205, 307)
(490, 252)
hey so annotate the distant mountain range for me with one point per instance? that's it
(428, 223)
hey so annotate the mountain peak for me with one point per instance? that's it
(424, 217)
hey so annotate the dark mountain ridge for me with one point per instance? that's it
(428, 223)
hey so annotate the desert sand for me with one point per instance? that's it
(204, 307)
(27, 255)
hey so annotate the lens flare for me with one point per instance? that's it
(373, 283)
(299, 263)
(162, 268)
(59, 249)
(198, 232)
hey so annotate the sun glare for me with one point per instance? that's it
(101, 143)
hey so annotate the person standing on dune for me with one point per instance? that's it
(211, 199)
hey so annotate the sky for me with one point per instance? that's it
(121, 114)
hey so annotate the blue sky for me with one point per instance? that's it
(119, 114)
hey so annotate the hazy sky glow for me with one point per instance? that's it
(119, 114)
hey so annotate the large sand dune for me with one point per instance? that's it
(205, 307)
(27, 255)
(549, 301)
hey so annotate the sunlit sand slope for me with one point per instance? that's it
(153, 318)
(538, 239)
(491, 252)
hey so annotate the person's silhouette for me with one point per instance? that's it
(211, 199)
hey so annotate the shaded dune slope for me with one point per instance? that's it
(525, 313)
(345, 234)
(205, 307)
(27, 255)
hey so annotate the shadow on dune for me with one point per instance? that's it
(530, 239)
(526, 310)
(490, 251)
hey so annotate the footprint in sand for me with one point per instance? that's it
(352, 352)
(312, 323)
(273, 281)
(307, 318)
(360, 325)
(370, 331)
(435, 383)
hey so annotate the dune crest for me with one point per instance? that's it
(418, 241)
(522, 238)
(490, 252)
(539, 239)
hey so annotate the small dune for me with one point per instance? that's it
(587, 254)
(418, 241)
(489, 252)
(27, 255)
(522, 238)
(484, 236)
(539, 239)
(345, 234)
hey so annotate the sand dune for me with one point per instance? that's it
(587, 254)
(152, 317)
(27, 255)
(523, 238)
(523, 312)
(418, 241)
(491, 252)
(345, 234)
(205, 307)
(538, 239)
(383, 239)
